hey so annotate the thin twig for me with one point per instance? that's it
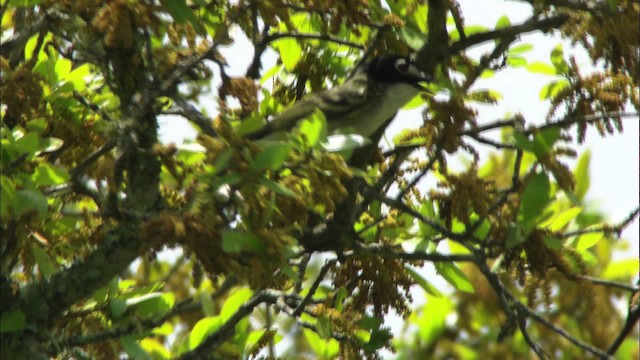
(312, 290)
(609, 283)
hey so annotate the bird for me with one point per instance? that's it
(362, 104)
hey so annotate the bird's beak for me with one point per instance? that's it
(422, 83)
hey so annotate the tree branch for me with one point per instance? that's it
(226, 330)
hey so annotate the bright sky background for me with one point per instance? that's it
(614, 160)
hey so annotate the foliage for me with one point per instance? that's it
(87, 188)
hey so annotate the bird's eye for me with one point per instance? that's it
(402, 66)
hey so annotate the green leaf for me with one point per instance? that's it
(521, 141)
(520, 49)
(46, 266)
(271, 157)
(26, 200)
(117, 306)
(234, 302)
(180, 11)
(12, 321)
(251, 124)
(222, 161)
(29, 143)
(25, 3)
(253, 339)
(539, 67)
(556, 223)
(454, 276)
(553, 243)
(414, 103)
(270, 73)
(483, 230)
(412, 37)
(290, 52)
(152, 306)
(534, 199)
(313, 128)
(581, 174)
(340, 296)
(515, 235)
(62, 68)
(208, 306)
(155, 349)
(47, 175)
(278, 188)
(588, 240)
(544, 140)
(432, 322)
(131, 346)
(165, 329)
(325, 349)
(553, 88)
(323, 327)
(517, 61)
(234, 241)
(50, 144)
(557, 59)
(503, 22)
(424, 283)
(78, 76)
(624, 269)
(428, 210)
(203, 328)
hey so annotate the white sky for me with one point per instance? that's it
(614, 160)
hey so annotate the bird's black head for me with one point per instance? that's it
(393, 68)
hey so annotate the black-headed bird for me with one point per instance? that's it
(360, 105)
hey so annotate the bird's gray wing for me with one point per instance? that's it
(334, 103)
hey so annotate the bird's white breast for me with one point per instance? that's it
(379, 108)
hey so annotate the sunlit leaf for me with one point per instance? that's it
(290, 52)
(541, 68)
(581, 174)
(503, 22)
(271, 157)
(155, 349)
(233, 303)
(47, 174)
(520, 49)
(203, 328)
(588, 240)
(552, 89)
(313, 128)
(454, 276)
(420, 280)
